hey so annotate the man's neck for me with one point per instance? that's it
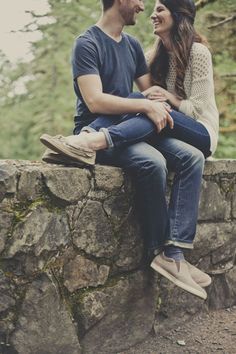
(111, 24)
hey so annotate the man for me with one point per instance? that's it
(105, 63)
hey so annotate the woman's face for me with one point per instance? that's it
(161, 19)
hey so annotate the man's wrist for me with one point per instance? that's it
(147, 106)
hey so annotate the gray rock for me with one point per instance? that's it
(6, 290)
(130, 246)
(93, 232)
(93, 307)
(108, 178)
(231, 279)
(44, 325)
(234, 203)
(81, 272)
(30, 184)
(175, 306)
(5, 225)
(67, 184)
(210, 237)
(40, 230)
(219, 166)
(220, 293)
(8, 179)
(124, 315)
(213, 204)
(117, 209)
(73, 213)
(227, 251)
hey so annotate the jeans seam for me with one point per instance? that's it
(175, 227)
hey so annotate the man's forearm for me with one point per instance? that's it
(109, 104)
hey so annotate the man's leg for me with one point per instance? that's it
(187, 162)
(133, 129)
(148, 169)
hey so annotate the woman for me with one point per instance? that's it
(181, 71)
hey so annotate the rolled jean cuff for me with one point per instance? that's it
(107, 137)
(88, 129)
(179, 244)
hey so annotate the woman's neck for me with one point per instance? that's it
(166, 42)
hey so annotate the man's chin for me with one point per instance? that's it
(131, 23)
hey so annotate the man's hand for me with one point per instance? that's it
(159, 115)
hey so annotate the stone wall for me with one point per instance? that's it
(72, 279)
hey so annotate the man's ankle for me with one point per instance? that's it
(174, 252)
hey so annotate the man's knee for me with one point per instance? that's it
(194, 158)
(143, 159)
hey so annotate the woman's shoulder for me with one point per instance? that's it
(200, 50)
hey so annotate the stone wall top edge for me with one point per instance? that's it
(212, 166)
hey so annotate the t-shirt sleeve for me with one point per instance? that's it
(84, 58)
(141, 68)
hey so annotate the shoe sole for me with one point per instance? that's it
(178, 282)
(69, 151)
(204, 285)
(62, 161)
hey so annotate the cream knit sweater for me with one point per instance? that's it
(199, 88)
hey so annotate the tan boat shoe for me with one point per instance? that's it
(60, 145)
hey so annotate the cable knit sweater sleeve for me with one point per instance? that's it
(202, 82)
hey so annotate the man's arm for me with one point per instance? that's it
(143, 82)
(99, 102)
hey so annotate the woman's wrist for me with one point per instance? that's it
(173, 100)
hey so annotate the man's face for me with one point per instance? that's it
(130, 9)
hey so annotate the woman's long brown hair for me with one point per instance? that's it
(182, 37)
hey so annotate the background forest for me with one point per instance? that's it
(47, 105)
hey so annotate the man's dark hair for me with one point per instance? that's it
(107, 4)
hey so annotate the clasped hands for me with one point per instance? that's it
(159, 108)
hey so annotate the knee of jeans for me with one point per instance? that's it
(196, 157)
(154, 167)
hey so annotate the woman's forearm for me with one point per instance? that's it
(173, 100)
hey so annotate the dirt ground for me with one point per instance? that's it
(210, 333)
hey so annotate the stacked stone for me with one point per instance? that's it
(72, 278)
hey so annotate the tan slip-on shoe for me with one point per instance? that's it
(178, 273)
(53, 157)
(199, 276)
(60, 145)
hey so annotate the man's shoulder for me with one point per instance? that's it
(89, 34)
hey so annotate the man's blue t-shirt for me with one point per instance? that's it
(117, 63)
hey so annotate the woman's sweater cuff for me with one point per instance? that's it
(186, 107)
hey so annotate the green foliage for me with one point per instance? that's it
(48, 103)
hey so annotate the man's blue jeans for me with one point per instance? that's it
(163, 223)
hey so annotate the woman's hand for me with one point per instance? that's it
(158, 93)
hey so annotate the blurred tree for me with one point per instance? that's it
(38, 97)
